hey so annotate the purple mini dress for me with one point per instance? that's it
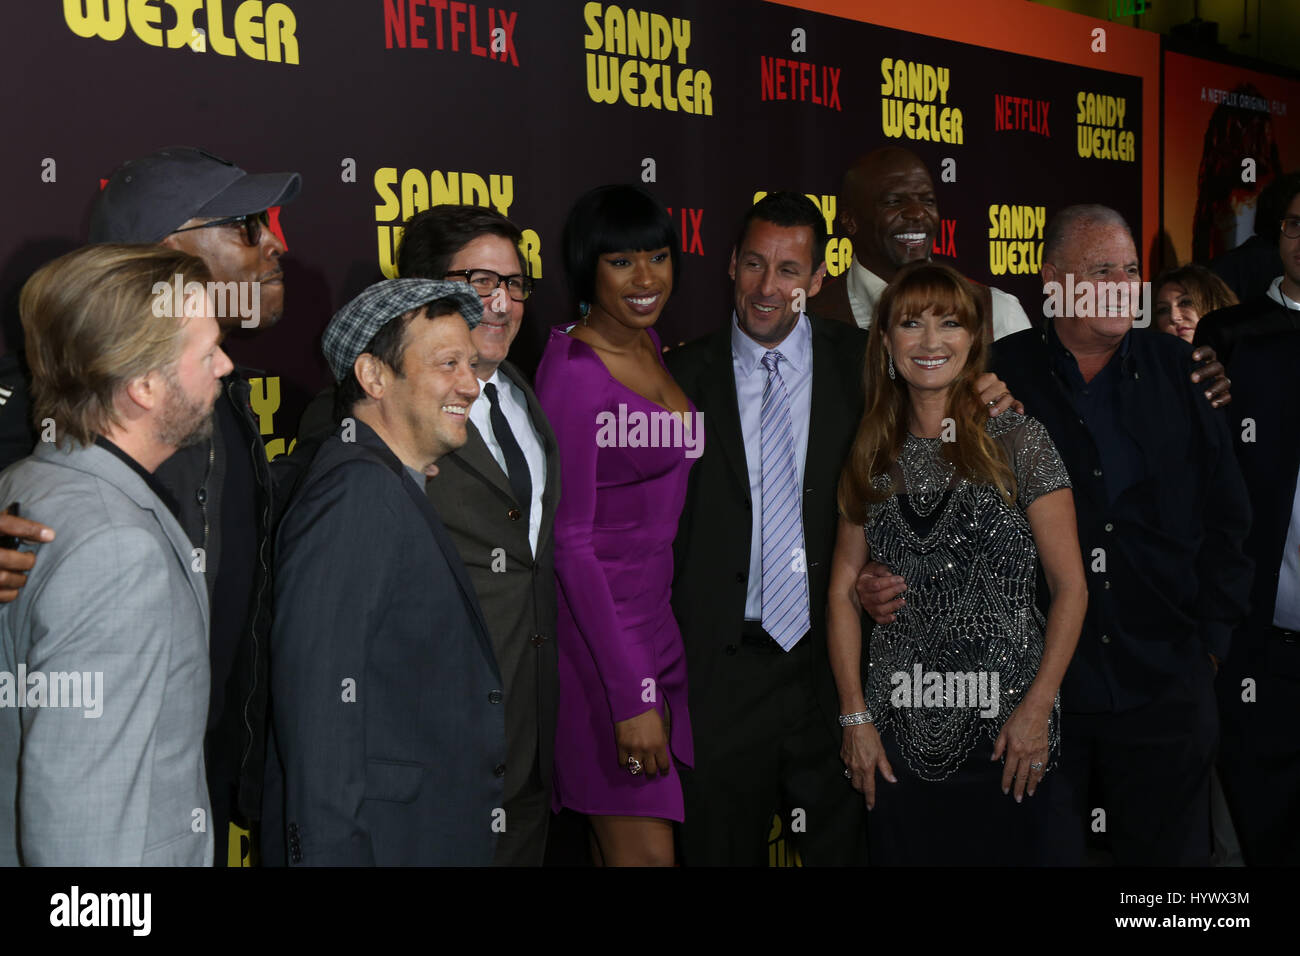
(620, 652)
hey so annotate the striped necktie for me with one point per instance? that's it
(785, 576)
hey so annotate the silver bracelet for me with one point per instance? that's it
(852, 720)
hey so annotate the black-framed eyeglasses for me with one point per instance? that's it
(485, 282)
(251, 225)
(1291, 227)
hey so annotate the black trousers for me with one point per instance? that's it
(1140, 777)
(1259, 757)
(527, 819)
(768, 752)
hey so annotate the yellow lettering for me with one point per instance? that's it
(281, 43)
(146, 21)
(591, 14)
(103, 18)
(181, 34)
(248, 30)
(385, 180)
(415, 193)
(219, 42)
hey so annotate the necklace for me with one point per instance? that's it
(926, 473)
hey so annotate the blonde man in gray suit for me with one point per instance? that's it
(103, 655)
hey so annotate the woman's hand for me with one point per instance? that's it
(644, 737)
(1024, 740)
(864, 754)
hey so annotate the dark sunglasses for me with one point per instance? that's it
(251, 224)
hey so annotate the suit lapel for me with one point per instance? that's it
(475, 457)
(106, 466)
(370, 443)
(829, 404)
(722, 409)
(550, 450)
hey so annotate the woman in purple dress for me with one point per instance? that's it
(627, 436)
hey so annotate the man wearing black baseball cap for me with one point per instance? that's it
(388, 704)
(219, 489)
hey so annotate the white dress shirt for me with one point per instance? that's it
(515, 407)
(865, 288)
(796, 370)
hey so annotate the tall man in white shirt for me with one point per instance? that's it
(888, 207)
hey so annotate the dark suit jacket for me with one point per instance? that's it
(387, 706)
(1265, 389)
(1223, 329)
(711, 552)
(474, 500)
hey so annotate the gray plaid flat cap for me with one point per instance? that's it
(354, 325)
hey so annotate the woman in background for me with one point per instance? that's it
(962, 506)
(622, 708)
(1186, 294)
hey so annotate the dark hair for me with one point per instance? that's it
(1274, 201)
(432, 238)
(1207, 291)
(389, 346)
(784, 208)
(611, 219)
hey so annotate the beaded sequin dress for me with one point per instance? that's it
(970, 565)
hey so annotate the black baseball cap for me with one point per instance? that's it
(150, 197)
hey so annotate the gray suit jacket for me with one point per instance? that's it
(473, 497)
(113, 775)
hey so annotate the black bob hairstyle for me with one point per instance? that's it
(612, 219)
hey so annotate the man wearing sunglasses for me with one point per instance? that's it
(496, 496)
(191, 200)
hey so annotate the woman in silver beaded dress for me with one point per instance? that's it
(964, 507)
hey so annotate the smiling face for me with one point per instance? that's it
(929, 350)
(890, 211)
(1100, 255)
(428, 404)
(494, 334)
(772, 263)
(1175, 312)
(631, 287)
(228, 256)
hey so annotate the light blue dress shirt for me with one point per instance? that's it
(796, 370)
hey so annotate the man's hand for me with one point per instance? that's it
(14, 564)
(879, 590)
(995, 396)
(1213, 372)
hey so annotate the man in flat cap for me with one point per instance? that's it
(387, 705)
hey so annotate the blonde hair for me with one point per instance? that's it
(917, 288)
(92, 324)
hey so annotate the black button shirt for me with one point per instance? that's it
(1162, 511)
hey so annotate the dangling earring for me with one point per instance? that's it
(583, 309)
(891, 366)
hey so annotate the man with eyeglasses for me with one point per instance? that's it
(496, 496)
(1278, 310)
(220, 489)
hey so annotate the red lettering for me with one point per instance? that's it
(508, 25)
(834, 99)
(474, 46)
(780, 78)
(697, 244)
(805, 73)
(417, 42)
(394, 24)
(767, 78)
(457, 27)
(439, 7)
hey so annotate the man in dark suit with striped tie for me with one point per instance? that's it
(782, 395)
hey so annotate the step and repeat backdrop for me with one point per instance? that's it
(388, 106)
